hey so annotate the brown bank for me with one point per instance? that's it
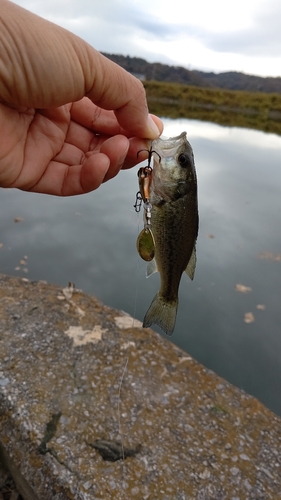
(78, 378)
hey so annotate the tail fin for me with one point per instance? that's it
(162, 313)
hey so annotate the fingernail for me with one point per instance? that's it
(122, 160)
(155, 132)
(123, 157)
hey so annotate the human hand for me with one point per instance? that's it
(69, 117)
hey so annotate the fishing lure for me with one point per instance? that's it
(145, 241)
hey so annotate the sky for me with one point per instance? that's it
(208, 35)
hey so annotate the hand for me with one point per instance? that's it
(70, 119)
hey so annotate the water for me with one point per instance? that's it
(90, 241)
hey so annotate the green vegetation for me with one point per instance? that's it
(231, 98)
(258, 110)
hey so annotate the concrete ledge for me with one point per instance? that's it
(185, 432)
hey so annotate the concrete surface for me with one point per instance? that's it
(92, 406)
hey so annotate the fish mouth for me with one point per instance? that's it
(168, 146)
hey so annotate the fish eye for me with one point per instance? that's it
(184, 160)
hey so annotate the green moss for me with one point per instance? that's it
(218, 409)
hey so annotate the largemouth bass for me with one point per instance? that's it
(169, 238)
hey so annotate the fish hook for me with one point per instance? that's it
(150, 153)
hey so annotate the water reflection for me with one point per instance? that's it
(90, 240)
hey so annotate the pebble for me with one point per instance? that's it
(135, 491)
(4, 382)
(234, 471)
(205, 474)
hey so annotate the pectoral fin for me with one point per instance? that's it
(190, 268)
(151, 268)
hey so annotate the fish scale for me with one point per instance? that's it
(172, 248)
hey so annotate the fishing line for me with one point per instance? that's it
(119, 401)
(137, 278)
(137, 206)
(119, 418)
(120, 432)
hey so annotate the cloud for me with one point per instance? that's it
(118, 16)
(213, 36)
(261, 38)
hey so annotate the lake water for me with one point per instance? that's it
(90, 241)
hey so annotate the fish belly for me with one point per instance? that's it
(175, 227)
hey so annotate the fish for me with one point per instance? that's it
(172, 225)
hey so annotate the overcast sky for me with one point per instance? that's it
(210, 35)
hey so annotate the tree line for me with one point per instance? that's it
(231, 80)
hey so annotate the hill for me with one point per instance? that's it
(231, 80)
